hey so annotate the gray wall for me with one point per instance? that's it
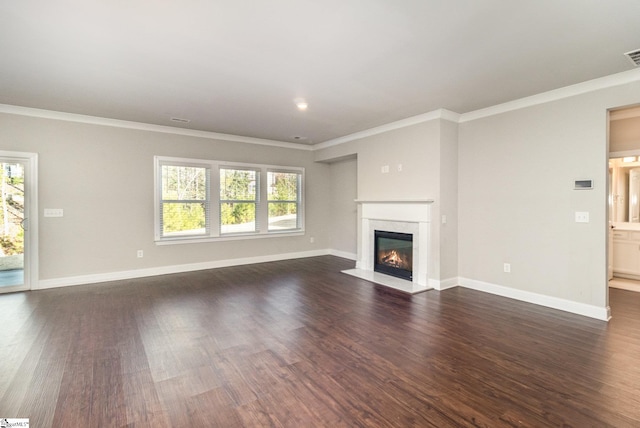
(427, 153)
(517, 202)
(344, 192)
(448, 200)
(504, 182)
(103, 179)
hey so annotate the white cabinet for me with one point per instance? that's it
(626, 253)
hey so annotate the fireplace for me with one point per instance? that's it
(411, 217)
(393, 254)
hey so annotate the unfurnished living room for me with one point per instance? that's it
(301, 213)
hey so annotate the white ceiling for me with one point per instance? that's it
(236, 67)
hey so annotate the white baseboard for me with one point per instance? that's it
(525, 296)
(164, 270)
(444, 284)
(591, 311)
(344, 255)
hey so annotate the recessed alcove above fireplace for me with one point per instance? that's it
(397, 218)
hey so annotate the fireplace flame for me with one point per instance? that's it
(393, 259)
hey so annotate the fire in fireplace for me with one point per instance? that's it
(393, 254)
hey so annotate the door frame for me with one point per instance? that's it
(30, 161)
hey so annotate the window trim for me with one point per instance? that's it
(255, 201)
(213, 221)
(298, 201)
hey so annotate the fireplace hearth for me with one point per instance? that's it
(393, 254)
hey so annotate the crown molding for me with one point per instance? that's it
(403, 123)
(554, 95)
(117, 123)
(544, 97)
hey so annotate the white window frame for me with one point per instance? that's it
(298, 201)
(213, 219)
(255, 201)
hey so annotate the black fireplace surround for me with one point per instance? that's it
(393, 254)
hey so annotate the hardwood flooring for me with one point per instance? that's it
(298, 344)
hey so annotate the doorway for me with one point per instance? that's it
(17, 221)
(624, 198)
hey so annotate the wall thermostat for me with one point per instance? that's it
(583, 184)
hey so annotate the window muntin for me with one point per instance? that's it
(238, 200)
(211, 200)
(283, 196)
(184, 200)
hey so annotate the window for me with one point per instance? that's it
(284, 199)
(238, 200)
(211, 200)
(185, 201)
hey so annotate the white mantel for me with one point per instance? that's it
(403, 216)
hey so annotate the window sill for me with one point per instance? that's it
(237, 237)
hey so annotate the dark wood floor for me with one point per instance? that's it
(299, 344)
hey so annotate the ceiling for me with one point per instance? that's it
(236, 67)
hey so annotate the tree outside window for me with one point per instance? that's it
(284, 197)
(185, 200)
(238, 200)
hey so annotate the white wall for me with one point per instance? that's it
(103, 179)
(517, 202)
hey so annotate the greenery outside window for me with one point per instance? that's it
(200, 200)
(284, 199)
(185, 201)
(238, 200)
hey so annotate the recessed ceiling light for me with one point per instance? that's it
(301, 104)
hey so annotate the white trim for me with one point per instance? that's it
(627, 112)
(213, 218)
(165, 270)
(126, 124)
(344, 255)
(544, 97)
(597, 312)
(31, 270)
(444, 284)
(625, 153)
(413, 218)
(554, 95)
(403, 123)
(387, 280)
(394, 201)
(228, 237)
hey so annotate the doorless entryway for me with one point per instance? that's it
(18, 221)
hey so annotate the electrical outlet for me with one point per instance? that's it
(582, 217)
(507, 267)
(312, 240)
(140, 254)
